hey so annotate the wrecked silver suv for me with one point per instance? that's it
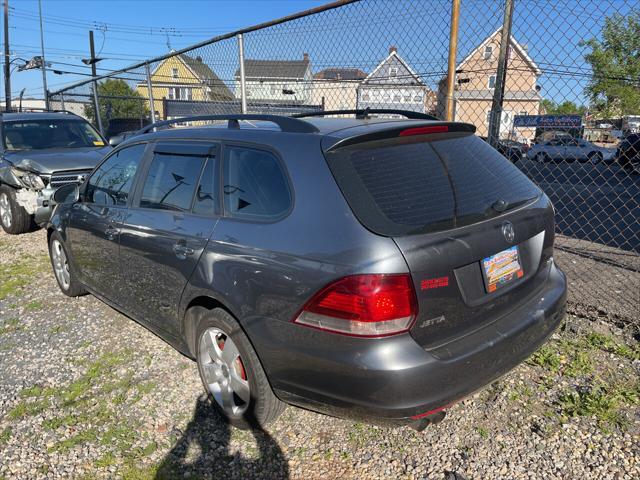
(39, 153)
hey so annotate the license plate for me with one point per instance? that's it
(501, 269)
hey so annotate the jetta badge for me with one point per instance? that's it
(508, 231)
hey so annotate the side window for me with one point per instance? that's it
(254, 184)
(206, 201)
(111, 182)
(171, 182)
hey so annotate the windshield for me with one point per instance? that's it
(41, 134)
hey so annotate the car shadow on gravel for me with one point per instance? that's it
(203, 451)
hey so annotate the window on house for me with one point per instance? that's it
(393, 72)
(488, 52)
(492, 81)
(174, 72)
(180, 93)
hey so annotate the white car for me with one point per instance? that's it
(570, 149)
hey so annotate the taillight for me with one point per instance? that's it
(424, 130)
(371, 305)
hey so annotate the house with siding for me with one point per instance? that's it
(475, 84)
(393, 84)
(182, 77)
(337, 88)
(276, 81)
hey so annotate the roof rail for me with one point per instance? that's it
(286, 124)
(37, 110)
(365, 112)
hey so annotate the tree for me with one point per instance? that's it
(614, 89)
(117, 100)
(565, 108)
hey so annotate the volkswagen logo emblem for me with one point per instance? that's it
(508, 231)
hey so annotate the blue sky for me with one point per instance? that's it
(359, 35)
(118, 33)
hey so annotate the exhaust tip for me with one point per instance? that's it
(433, 419)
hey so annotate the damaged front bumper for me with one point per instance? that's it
(36, 203)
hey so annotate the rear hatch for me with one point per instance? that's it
(451, 203)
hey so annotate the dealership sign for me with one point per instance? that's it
(548, 121)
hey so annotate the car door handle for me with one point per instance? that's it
(111, 233)
(182, 251)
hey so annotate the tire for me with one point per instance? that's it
(255, 405)
(67, 281)
(13, 218)
(595, 157)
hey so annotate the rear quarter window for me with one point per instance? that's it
(418, 185)
(254, 184)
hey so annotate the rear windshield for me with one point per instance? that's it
(409, 185)
(41, 134)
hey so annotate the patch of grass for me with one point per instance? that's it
(580, 364)
(5, 435)
(11, 325)
(546, 357)
(143, 473)
(57, 329)
(15, 276)
(483, 432)
(34, 305)
(600, 401)
(106, 460)
(67, 444)
(608, 344)
(27, 409)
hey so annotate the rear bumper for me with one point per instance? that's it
(391, 379)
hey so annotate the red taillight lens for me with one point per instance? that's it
(424, 130)
(365, 305)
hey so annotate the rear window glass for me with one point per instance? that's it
(406, 186)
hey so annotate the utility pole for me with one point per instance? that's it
(44, 63)
(495, 119)
(7, 66)
(96, 102)
(453, 50)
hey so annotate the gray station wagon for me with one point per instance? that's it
(370, 268)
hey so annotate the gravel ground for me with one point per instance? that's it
(87, 393)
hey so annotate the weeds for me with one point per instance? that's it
(600, 401)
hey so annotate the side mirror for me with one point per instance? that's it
(116, 140)
(66, 194)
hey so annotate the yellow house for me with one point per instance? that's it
(182, 77)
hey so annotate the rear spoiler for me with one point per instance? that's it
(407, 130)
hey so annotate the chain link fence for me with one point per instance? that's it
(554, 85)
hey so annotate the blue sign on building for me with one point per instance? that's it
(548, 121)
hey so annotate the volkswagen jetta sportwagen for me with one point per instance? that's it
(377, 269)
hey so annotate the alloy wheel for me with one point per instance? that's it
(60, 264)
(5, 210)
(223, 372)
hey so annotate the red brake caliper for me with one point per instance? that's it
(239, 365)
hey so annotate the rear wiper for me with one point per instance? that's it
(501, 205)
